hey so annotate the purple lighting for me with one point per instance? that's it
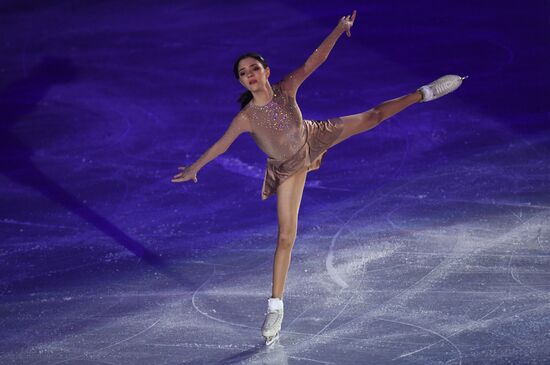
(425, 240)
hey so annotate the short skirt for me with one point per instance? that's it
(320, 135)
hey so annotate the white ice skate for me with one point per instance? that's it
(273, 320)
(441, 86)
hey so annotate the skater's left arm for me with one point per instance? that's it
(293, 80)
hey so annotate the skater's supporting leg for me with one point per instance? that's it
(289, 196)
(357, 123)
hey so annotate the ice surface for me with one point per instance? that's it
(423, 241)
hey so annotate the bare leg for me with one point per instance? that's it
(289, 196)
(357, 123)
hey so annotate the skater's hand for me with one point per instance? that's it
(185, 174)
(346, 22)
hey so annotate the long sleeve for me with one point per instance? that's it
(238, 126)
(293, 80)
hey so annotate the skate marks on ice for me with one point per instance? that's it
(468, 249)
(466, 252)
(223, 288)
(329, 262)
(443, 338)
(275, 352)
(105, 343)
(94, 352)
(204, 313)
(480, 323)
(465, 248)
(255, 354)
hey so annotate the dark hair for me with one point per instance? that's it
(247, 95)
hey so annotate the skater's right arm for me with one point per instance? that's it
(238, 126)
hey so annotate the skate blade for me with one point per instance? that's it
(270, 340)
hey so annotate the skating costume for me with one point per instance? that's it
(290, 142)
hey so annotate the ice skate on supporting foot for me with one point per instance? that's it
(273, 319)
(442, 86)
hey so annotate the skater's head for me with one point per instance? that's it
(252, 71)
(249, 62)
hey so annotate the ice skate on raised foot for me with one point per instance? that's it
(442, 86)
(273, 320)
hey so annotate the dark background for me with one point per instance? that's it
(423, 241)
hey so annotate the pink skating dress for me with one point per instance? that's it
(290, 142)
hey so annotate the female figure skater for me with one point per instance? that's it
(295, 146)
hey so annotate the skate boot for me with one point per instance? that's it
(273, 320)
(441, 86)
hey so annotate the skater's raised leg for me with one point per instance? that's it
(358, 123)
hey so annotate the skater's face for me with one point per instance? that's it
(252, 74)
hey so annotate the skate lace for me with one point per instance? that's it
(443, 86)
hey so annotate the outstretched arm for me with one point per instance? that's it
(293, 80)
(237, 126)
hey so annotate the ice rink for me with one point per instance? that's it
(425, 240)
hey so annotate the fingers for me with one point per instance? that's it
(180, 177)
(350, 18)
(348, 22)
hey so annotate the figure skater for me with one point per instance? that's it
(295, 146)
